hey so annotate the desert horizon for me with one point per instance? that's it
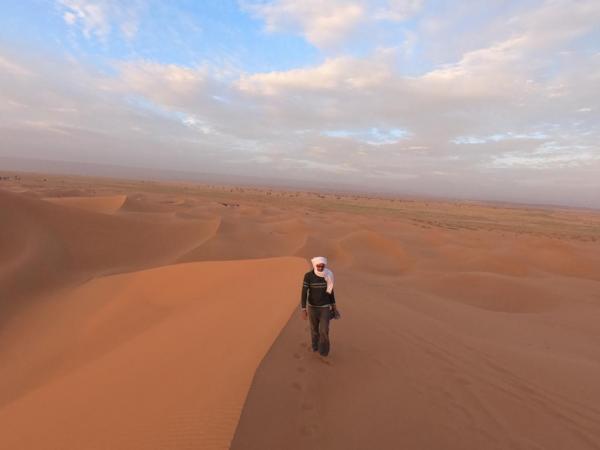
(20, 166)
(145, 314)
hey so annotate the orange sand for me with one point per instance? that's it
(155, 359)
(105, 204)
(135, 315)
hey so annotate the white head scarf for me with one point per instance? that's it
(326, 273)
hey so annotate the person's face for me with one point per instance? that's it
(320, 267)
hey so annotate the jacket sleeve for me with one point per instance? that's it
(332, 297)
(304, 292)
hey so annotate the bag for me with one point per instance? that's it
(334, 314)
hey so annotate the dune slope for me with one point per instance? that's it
(418, 371)
(156, 359)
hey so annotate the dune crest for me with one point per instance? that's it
(105, 204)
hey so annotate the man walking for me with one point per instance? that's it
(318, 296)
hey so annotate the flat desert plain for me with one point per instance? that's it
(146, 315)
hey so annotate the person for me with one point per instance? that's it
(318, 303)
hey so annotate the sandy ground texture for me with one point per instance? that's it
(145, 315)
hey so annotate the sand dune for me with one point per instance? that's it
(50, 245)
(156, 359)
(139, 203)
(492, 292)
(374, 253)
(139, 319)
(109, 204)
(237, 239)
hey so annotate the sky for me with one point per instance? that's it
(495, 100)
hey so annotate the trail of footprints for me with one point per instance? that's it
(309, 427)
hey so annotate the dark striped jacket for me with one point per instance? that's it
(314, 291)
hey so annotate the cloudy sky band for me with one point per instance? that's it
(431, 97)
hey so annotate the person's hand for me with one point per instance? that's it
(304, 314)
(335, 314)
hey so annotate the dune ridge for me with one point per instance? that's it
(109, 204)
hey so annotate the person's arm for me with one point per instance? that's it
(305, 289)
(332, 297)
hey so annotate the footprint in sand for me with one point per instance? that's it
(300, 369)
(297, 386)
(304, 345)
(309, 430)
(307, 406)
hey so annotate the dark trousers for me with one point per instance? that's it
(319, 329)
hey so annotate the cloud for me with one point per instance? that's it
(67, 111)
(327, 24)
(97, 18)
(167, 84)
(548, 155)
(395, 10)
(343, 73)
(498, 137)
(322, 23)
(371, 136)
(13, 68)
